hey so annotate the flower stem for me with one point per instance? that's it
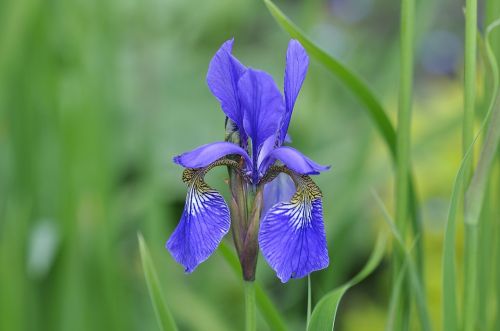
(250, 313)
(309, 299)
(403, 145)
(471, 233)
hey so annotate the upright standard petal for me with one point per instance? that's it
(204, 222)
(297, 63)
(263, 107)
(292, 234)
(223, 74)
(206, 154)
(294, 160)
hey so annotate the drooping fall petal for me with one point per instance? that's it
(204, 222)
(292, 234)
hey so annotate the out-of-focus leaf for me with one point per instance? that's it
(264, 303)
(309, 301)
(366, 96)
(396, 292)
(163, 316)
(355, 84)
(450, 317)
(417, 287)
(475, 193)
(325, 312)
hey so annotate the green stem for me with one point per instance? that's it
(403, 144)
(470, 295)
(250, 313)
(309, 299)
(471, 233)
(469, 78)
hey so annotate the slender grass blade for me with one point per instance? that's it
(367, 97)
(163, 316)
(415, 282)
(325, 312)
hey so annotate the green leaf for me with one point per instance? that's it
(350, 79)
(163, 316)
(309, 301)
(476, 190)
(365, 95)
(450, 317)
(264, 303)
(415, 282)
(395, 293)
(323, 316)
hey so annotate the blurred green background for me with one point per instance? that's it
(97, 96)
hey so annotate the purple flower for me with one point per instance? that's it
(288, 224)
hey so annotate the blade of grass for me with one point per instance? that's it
(496, 276)
(359, 88)
(309, 299)
(163, 316)
(470, 248)
(474, 195)
(492, 12)
(396, 290)
(395, 294)
(415, 283)
(403, 145)
(264, 303)
(450, 317)
(325, 312)
(367, 98)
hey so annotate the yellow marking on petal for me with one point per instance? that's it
(195, 176)
(306, 189)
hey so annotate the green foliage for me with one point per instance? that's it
(163, 316)
(325, 311)
(408, 265)
(475, 192)
(355, 84)
(96, 97)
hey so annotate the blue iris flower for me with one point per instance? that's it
(290, 229)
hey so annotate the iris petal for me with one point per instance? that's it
(292, 235)
(263, 107)
(223, 74)
(280, 189)
(204, 222)
(206, 154)
(297, 63)
(294, 160)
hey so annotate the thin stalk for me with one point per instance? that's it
(496, 180)
(250, 312)
(469, 78)
(403, 146)
(470, 297)
(491, 13)
(471, 232)
(309, 299)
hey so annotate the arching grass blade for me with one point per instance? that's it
(325, 312)
(370, 102)
(163, 316)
